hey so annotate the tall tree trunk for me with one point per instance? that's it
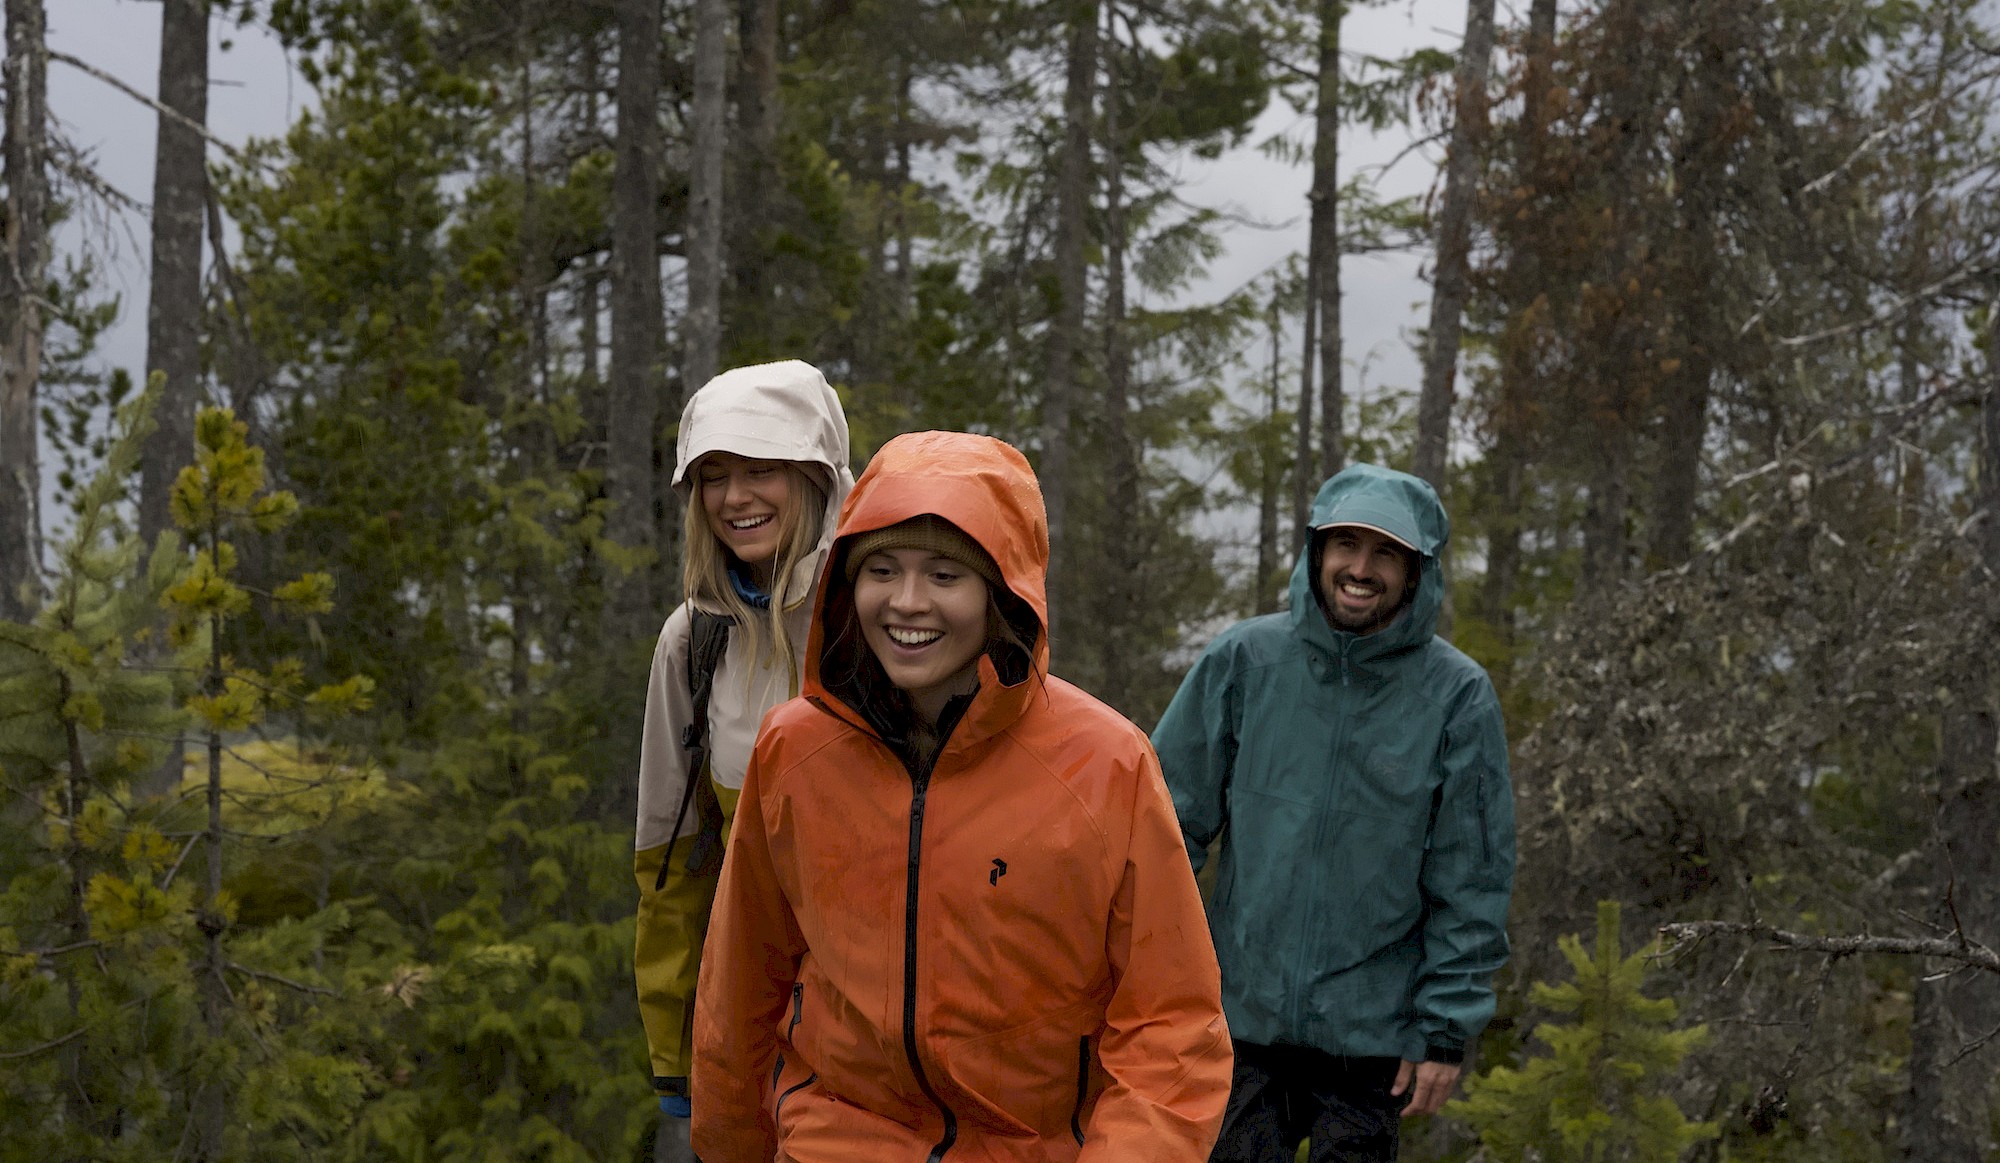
(211, 1113)
(1512, 430)
(752, 151)
(1949, 1010)
(701, 331)
(79, 1088)
(1683, 433)
(634, 399)
(22, 278)
(1326, 237)
(1604, 538)
(589, 276)
(1121, 519)
(1304, 480)
(1989, 458)
(1270, 478)
(173, 305)
(1451, 279)
(1073, 199)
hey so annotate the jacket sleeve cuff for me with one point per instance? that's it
(1449, 1055)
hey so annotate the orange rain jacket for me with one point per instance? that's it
(1006, 960)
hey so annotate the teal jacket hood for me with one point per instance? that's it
(1361, 897)
(1406, 508)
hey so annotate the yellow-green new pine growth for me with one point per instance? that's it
(1593, 1098)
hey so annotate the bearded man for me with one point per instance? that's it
(1359, 764)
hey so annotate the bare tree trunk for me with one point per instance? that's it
(173, 305)
(1685, 430)
(635, 390)
(1326, 237)
(1454, 243)
(751, 150)
(1989, 458)
(589, 288)
(1114, 582)
(1304, 481)
(79, 1089)
(1512, 431)
(1265, 598)
(1604, 537)
(21, 281)
(1073, 191)
(1951, 1010)
(701, 338)
(211, 1114)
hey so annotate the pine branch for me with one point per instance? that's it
(1960, 949)
(45, 1047)
(284, 981)
(54, 951)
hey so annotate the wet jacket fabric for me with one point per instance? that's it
(1002, 959)
(1361, 899)
(775, 411)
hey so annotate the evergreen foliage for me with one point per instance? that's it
(1594, 1097)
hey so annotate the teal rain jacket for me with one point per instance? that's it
(1361, 901)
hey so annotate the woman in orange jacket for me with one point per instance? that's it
(956, 921)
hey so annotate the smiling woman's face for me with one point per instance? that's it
(745, 501)
(924, 617)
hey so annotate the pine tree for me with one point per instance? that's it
(91, 920)
(219, 497)
(1594, 1097)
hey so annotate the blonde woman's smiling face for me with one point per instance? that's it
(746, 502)
(924, 618)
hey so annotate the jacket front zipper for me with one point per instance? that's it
(919, 785)
(1082, 1087)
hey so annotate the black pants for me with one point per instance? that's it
(1281, 1094)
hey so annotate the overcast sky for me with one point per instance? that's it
(254, 93)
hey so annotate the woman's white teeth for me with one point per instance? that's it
(750, 522)
(914, 637)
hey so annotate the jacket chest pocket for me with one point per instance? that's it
(1389, 781)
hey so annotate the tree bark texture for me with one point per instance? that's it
(636, 385)
(1451, 279)
(1119, 567)
(1303, 481)
(1513, 427)
(21, 281)
(1326, 239)
(701, 331)
(1989, 451)
(1073, 202)
(1271, 480)
(174, 304)
(751, 151)
(212, 1101)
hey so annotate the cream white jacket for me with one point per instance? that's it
(774, 411)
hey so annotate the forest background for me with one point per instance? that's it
(317, 715)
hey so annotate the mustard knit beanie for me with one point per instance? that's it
(930, 533)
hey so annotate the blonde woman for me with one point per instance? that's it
(762, 465)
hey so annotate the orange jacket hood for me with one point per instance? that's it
(986, 488)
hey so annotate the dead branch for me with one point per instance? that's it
(1963, 950)
(175, 115)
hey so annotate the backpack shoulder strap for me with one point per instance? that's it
(708, 640)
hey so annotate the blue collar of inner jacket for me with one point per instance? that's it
(748, 591)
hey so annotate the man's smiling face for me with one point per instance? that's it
(1364, 577)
